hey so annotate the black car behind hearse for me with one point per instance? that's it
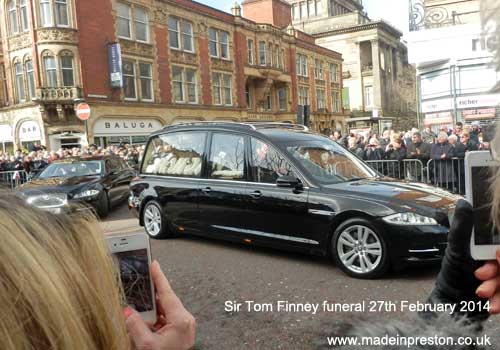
(278, 185)
(95, 183)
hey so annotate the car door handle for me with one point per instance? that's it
(256, 194)
(206, 190)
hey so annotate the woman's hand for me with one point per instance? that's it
(175, 326)
(490, 288)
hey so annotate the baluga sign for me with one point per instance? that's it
(111, 126)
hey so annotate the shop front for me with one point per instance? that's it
(6, 139)
(29, 134)
(118, 130)
(371, 124)
(479, 108)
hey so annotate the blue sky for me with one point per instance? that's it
(395, 12)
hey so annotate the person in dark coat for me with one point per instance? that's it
(442, 166)
(469, 144)
(353, 146)
(420, 151)
(373, 150)
(395, 151)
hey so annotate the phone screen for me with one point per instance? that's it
(484, 232)
(136, 281)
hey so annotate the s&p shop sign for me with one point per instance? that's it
(126, 126)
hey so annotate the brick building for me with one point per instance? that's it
(180, 61)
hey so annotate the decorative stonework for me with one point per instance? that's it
(58, 94)
(303, 80)
(219, 64)
(57, 35)
(183, 57)
(160, 16)
(136, 49)
(19, 42)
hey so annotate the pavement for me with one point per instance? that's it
(211, 277)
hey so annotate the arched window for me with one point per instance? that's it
(18, 69)
(67, 71)
(23, 11)
(49, 63)
(30, 78)
(12, 7)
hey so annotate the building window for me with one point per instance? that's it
(146, 79)
(262, 53)
(123, 20)
(68, 78)
(23, 9)
(320, 99)
(50, 71)
(61, 11)
(295, 12)
(222, 90)
(51, 10)
(335, 101)
(185, 87)
(30, 77)
(334, 73)
(187, 36)
(268, 103)
(130, 81)
(270, 55)
(303, 96)
(224, 44)
(5, 94)
(178, 28)
(139, 22)
(12, 6)
(302, 65)
(282, 99)
(250, 51)
(277, 56)
(248, 96)
(318, 69)
(18, 68)
(368, 96)
(212, 34)
(218, 43)
(129, 87)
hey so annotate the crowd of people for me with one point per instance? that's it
(415, 144)
(38, 157)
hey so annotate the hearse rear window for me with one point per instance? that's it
(175, 154)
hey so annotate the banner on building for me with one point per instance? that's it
(115, 65)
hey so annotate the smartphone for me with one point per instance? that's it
(479, 166)
(132, 254)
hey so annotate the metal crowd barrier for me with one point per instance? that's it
(447, 174)
(14, 178)
(407, 169)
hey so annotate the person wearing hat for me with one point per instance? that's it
(474, 134)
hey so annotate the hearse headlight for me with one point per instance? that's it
(87, 194)
(409, 219)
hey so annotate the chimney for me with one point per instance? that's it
(275, 12)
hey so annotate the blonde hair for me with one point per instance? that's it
(59, 286)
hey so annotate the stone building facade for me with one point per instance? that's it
(180, 61)
(453, 56)
(379, 83)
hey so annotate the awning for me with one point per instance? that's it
(6, 133)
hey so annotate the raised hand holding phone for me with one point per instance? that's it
(175, 326)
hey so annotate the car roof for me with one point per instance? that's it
(86, 158)
(277, 132)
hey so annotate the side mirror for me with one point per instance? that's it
(288, 181)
